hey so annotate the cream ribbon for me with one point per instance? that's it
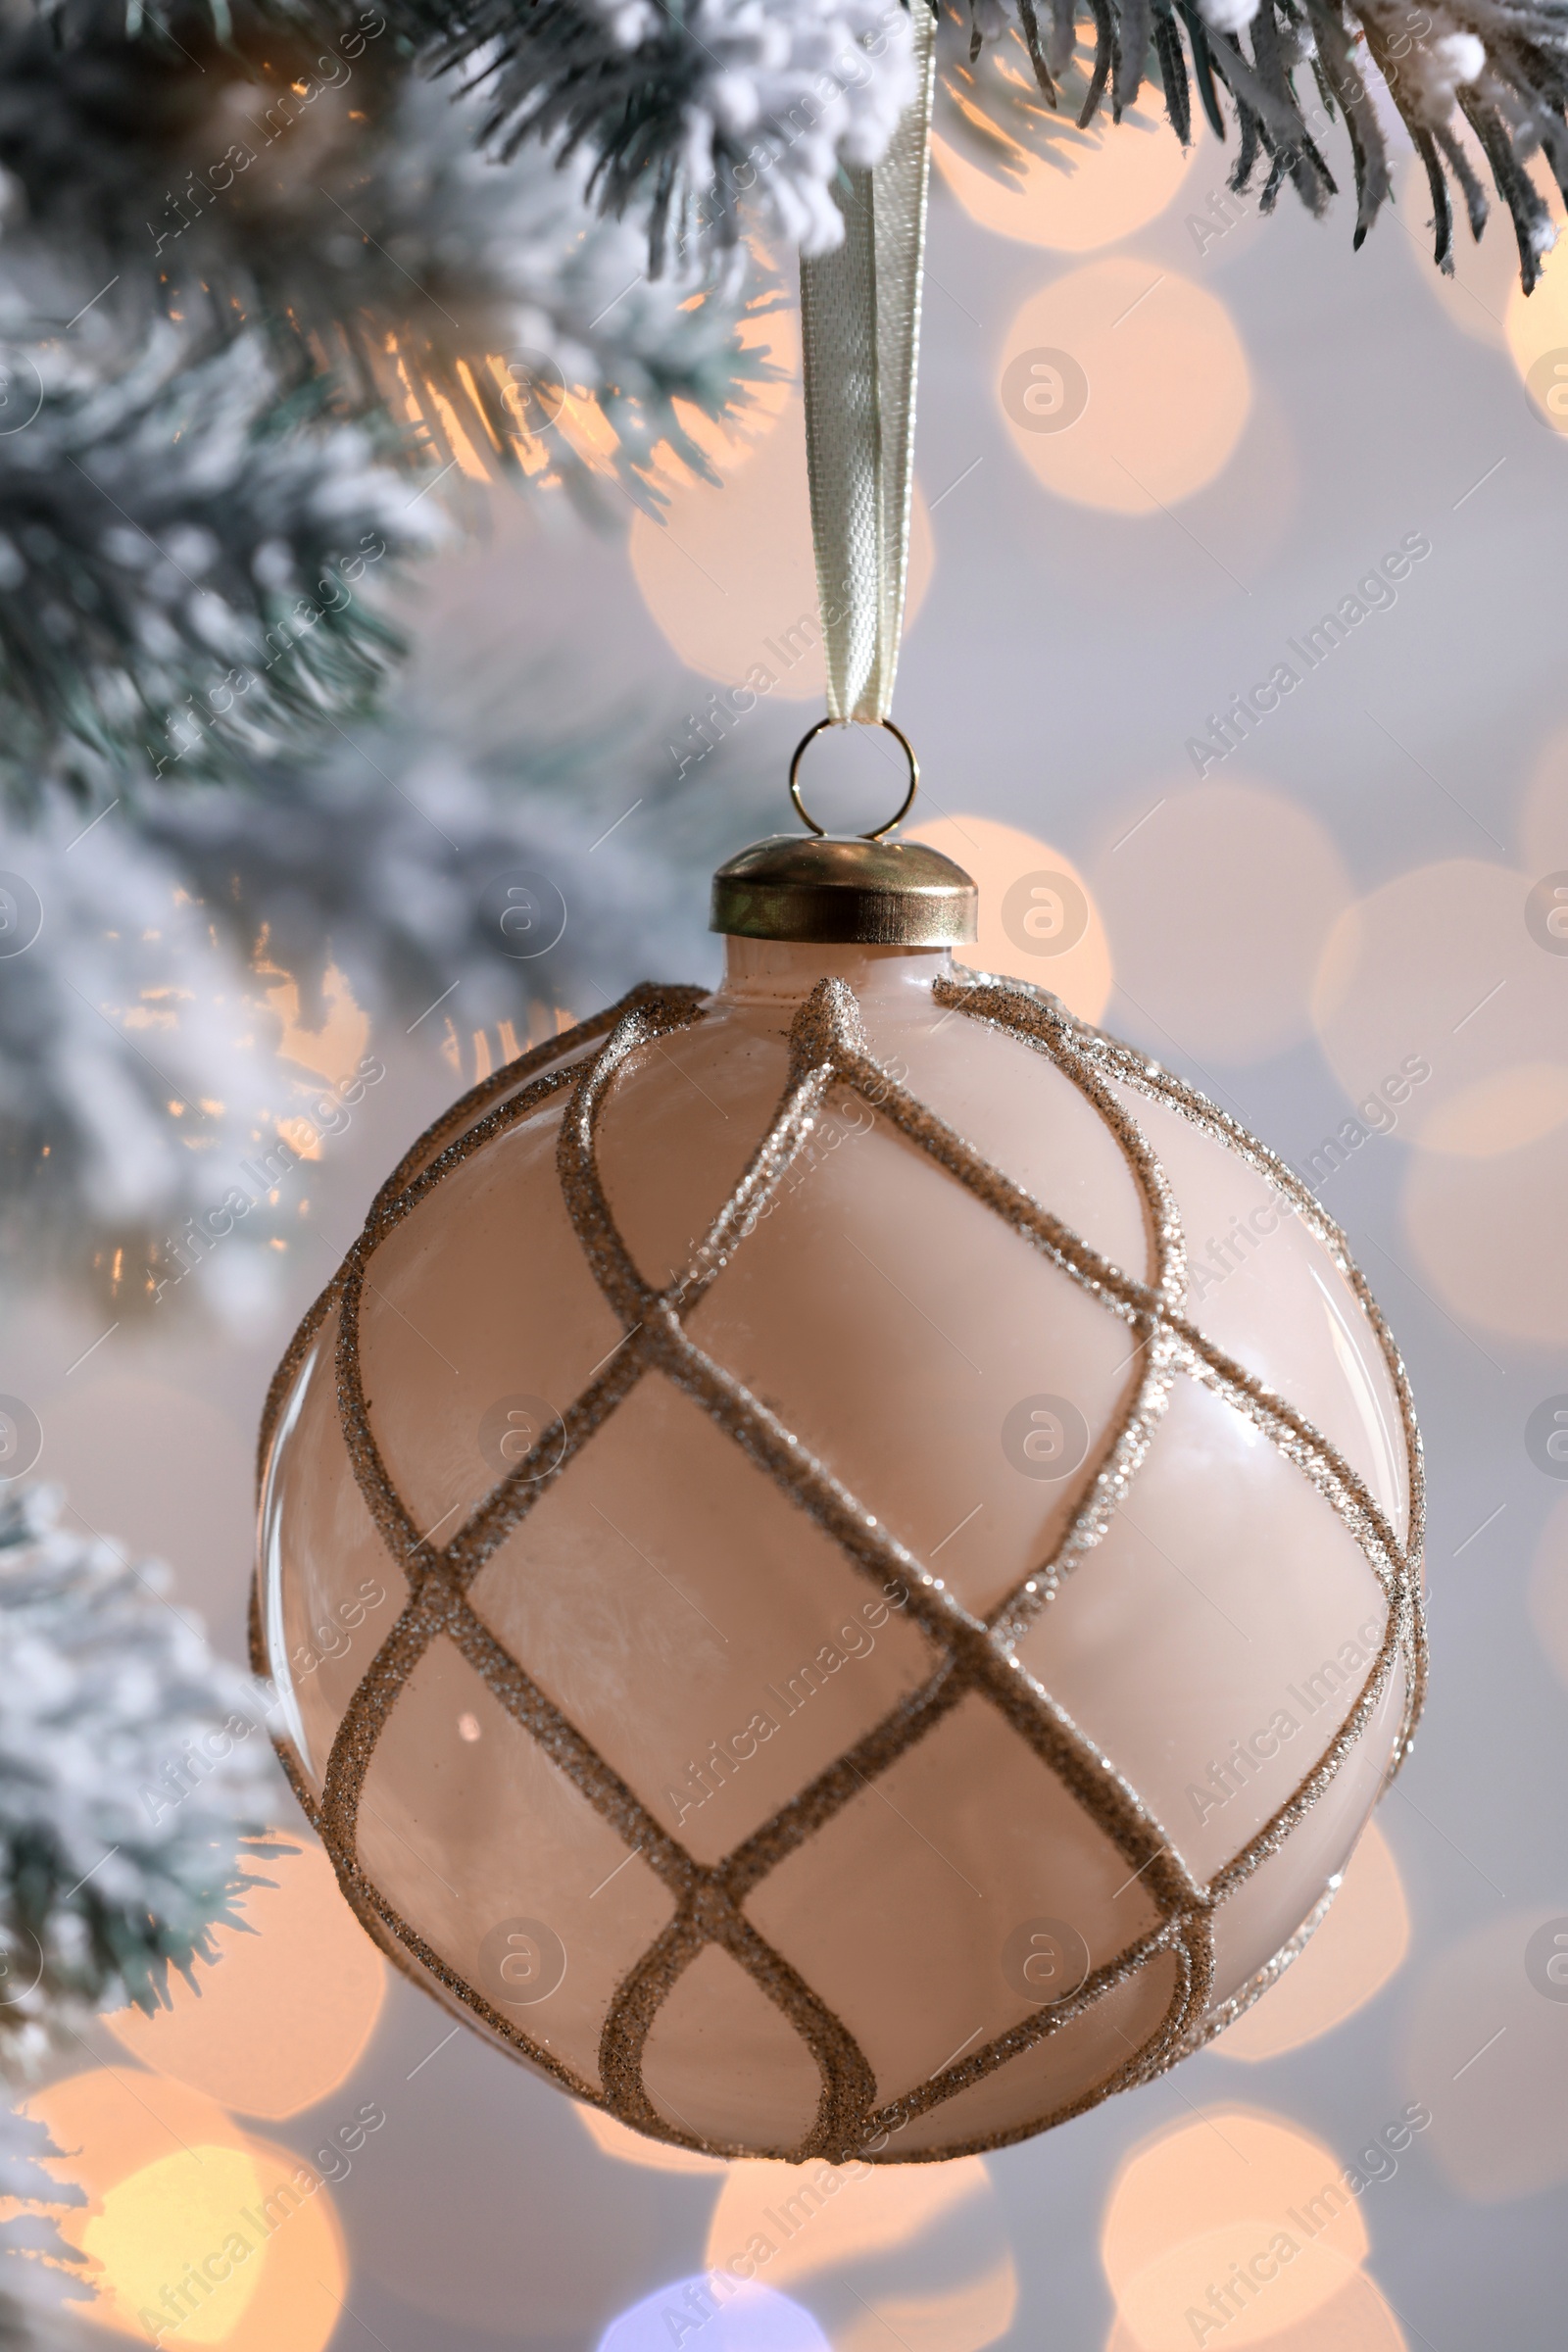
(860, 333)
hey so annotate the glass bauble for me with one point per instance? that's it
(841, 1560)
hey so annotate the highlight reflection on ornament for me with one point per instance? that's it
(798, 1700)
(1359, 1946)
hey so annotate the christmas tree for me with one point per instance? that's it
(288, 291)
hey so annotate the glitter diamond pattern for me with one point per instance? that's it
(976, 1656)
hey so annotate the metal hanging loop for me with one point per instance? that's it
(904, 805)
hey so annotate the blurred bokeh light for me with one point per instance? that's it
(192, 2223)
(282, 2017)
(1077, 189)
(917, 2253)
(1218, 898)
(1548, 1589)
(1353, 1955)
(1486, 2047)
(1236, 2189)
(1124, 386)
(1439, 967)
(1038, 917)
(1544, 816)
(1354, 2318)
(1537, 330)
(727, 2318)
(633, 2147)
(1490, 1237)
(728, 572)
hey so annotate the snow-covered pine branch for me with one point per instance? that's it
(134, 1771)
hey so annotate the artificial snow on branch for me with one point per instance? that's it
(136, 1070)
(380, 864)
(37, 2279)
(182, 558)
(258, 292)
(135, 1774)
(323, 196)
(161, 965)
(686, 112)
(1499, 68)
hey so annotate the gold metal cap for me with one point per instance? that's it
(828, 890)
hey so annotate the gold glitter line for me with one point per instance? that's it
(828, 1051)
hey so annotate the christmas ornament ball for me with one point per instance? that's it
(841, 1557)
